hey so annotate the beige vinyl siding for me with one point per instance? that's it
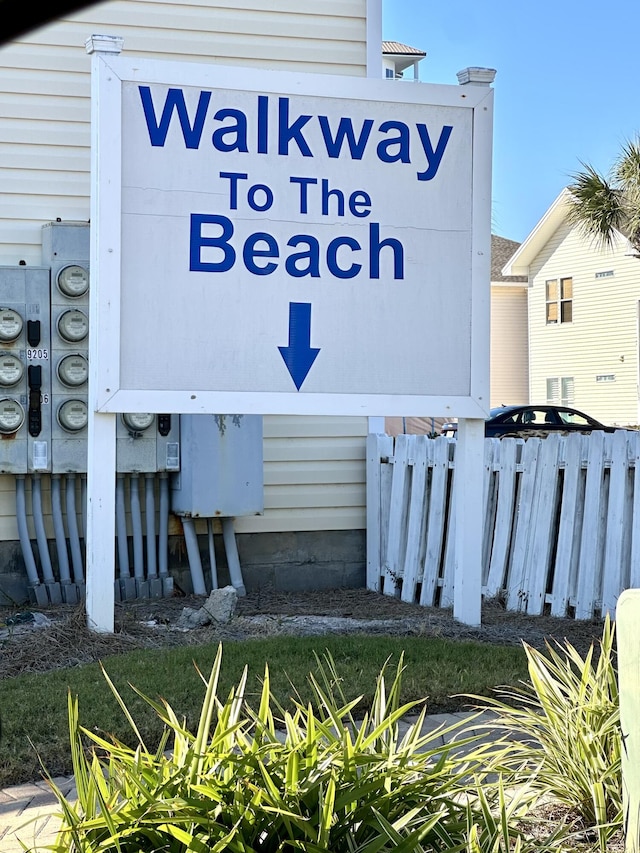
(8, 523)
(313, 475)
(314, 466)
(602, 338)
(45, 86)
(509, 345)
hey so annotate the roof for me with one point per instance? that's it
(501, 251)
(397, 49)
(541, 234)
(519, 262)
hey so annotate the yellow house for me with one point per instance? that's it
(312, 529)
(509, 343)
(583, 318)
(509, 335)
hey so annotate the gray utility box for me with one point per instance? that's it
(25, 375)
(65, 247)
(222, 472)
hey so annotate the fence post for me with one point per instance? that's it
(377, 447)
(628, 645)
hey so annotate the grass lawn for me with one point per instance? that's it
(33, 706)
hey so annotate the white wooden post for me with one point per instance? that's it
(628, 644)
(468, 482)
(101, 445)
(469, 458)
(101, 522)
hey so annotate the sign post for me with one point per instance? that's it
(275, 243)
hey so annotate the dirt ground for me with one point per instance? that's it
(49, 638)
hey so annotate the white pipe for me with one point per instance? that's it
(23, 533)
(58, 529)
(163, 527)
(121, 529)
(233, 560)
(136, 521)
(195, 564)
(41, 536)
(72, 525)
(212, 555)
(150, 519)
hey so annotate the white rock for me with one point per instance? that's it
(221, 604)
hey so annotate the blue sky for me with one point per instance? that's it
(566, 90)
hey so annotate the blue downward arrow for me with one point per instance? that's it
(299, 355)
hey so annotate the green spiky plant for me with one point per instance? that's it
(322, 782)
(566, 723)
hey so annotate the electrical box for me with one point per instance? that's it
(25, 377)
(146, 443)
(221, 466)
(65, 247)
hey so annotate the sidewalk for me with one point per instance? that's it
(27, 811)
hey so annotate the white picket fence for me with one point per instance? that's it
(561, 521)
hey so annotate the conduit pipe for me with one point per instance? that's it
(72, 524)
(136, 521)
(23, 533)
(163, 527)
(233, 560)
(58, 529)
(83, 505)
(193, 553)
(150, 519)
(212, 555)
(41, 536)
(121, 529)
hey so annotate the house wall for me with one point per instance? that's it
(509, 345)
(45, 86)
(314, 467)
(601, 340)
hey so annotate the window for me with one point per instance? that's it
(536, 417)
(575, 419)
(389, 73)
(559, 300)
(560, 390)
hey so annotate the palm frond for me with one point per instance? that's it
(626, 171)
(596, 206)
(627, 176)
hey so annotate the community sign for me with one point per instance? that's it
(277, 243)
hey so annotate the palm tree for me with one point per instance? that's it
(603, 205)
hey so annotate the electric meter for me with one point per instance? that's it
(11, 369)
(11, 416)
(73, 280)
(11, 324)
(73, 415)
(73, 370)
(73, 325)
(137, 421)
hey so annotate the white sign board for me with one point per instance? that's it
(277, 243)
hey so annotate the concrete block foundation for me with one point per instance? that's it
(288, 562)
